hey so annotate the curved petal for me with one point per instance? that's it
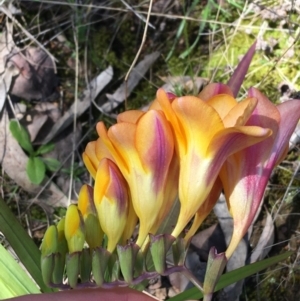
(240, 113)
(290, 114)
(155, 145)
(199, 123)
(232, 140)
(222, 103)
(102, 151)
(122, 137)
(131, 116)
(265, 114)
(166, 107)
(109, 148)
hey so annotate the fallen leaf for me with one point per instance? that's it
(265, 241)
(91, 92)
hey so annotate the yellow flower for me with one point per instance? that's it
(245, 174)
(203, 142)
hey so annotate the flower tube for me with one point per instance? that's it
(245, 174)
(203, 143)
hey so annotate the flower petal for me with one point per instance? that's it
(232, 140)
(131, 116)
(111, 201)
(199, 123)
(222, 103)
(155, 145)
(240, 114)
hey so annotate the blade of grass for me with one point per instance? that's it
(233, 277)
(204, 17)
(13, 279)
(22, 244)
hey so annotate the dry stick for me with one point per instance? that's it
(139, 51)
(75, 115)
(137, 14)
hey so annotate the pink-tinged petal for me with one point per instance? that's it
(265, 114)
(214, 89)
(131, 116)
(241, 70)
(240, 114)
(290, 114)
(155, 145)
(199, 123)
(232, 140)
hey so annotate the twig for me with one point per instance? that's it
(75, 114)
(140, 49)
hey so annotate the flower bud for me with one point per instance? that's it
(93, 231)
(111, 201)
(74, 229)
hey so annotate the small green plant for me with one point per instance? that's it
(36, 165)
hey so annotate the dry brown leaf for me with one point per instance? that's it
(91, 92)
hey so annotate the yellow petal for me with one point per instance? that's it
(222, 103)
(240, 113)
(131, 116)
(199, 123)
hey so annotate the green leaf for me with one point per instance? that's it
(44, 149)
(52, 164)
(21, 135)
(22, 244)
(233, 276)
(36, 170)
(13, 279)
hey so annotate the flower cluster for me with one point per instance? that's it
(189, 146)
